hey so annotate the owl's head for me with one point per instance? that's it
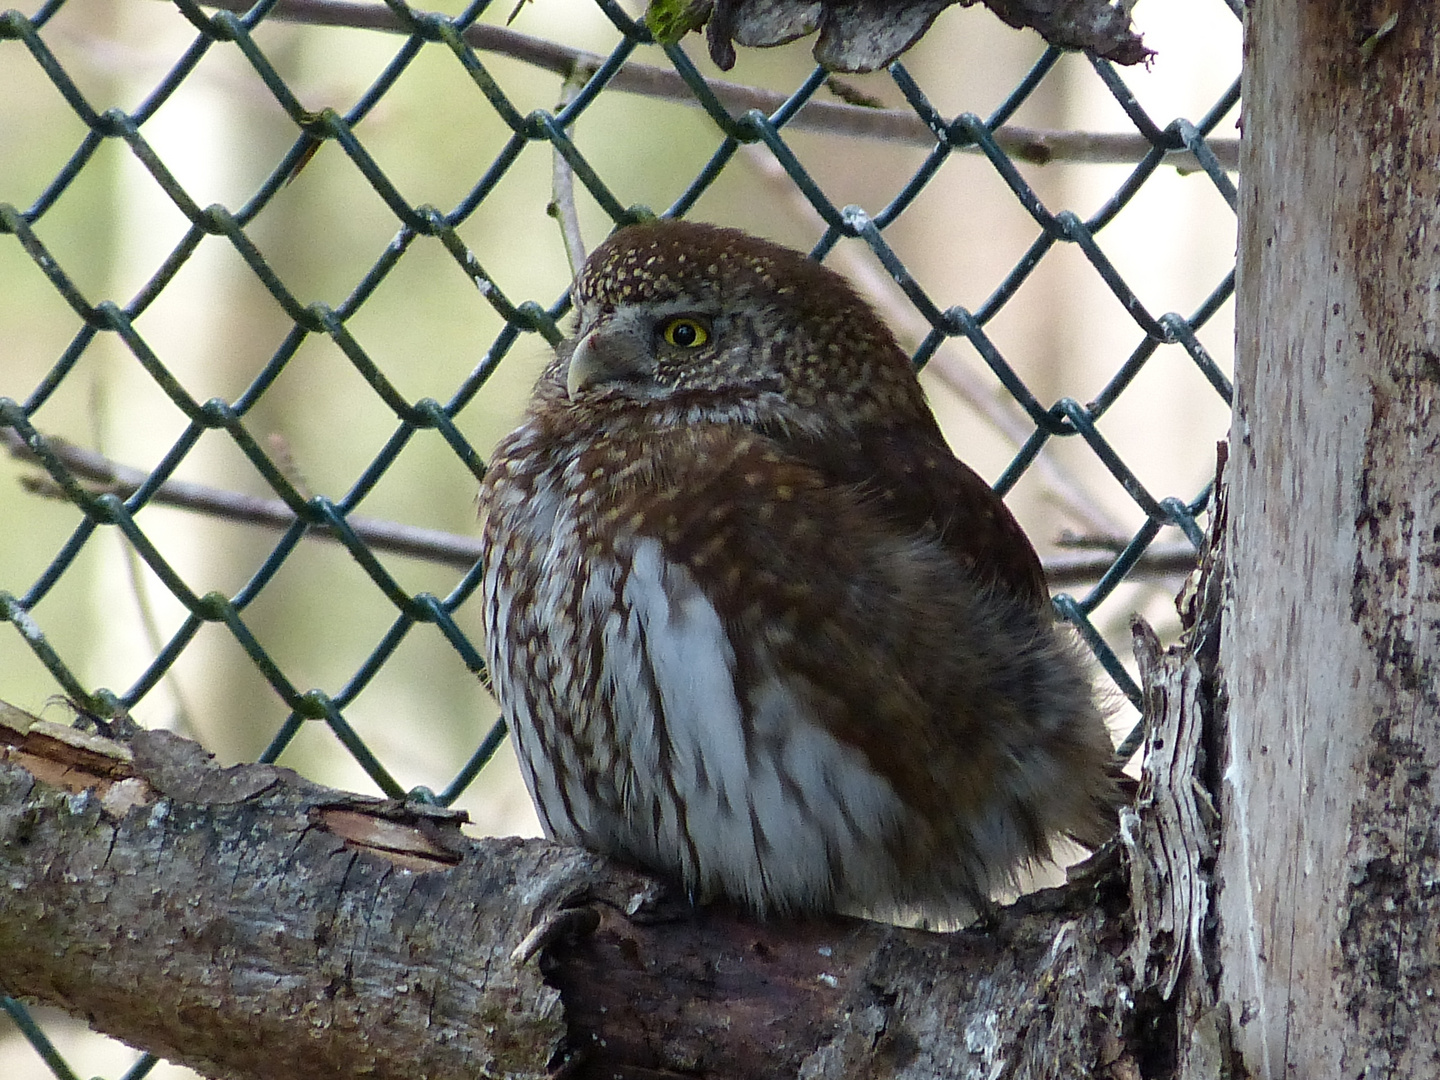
(693, 314)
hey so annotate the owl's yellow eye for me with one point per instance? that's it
(685, 332)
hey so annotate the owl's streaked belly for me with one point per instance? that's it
(637, 738)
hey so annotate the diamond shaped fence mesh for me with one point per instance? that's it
(274, 279)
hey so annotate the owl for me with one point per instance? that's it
(752, 625)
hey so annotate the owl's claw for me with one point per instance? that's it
(987, 916)
(639, 897)
(660, 902)
(567, 924)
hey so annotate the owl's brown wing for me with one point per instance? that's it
(910, 474)
(823, 592)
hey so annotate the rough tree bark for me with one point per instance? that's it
(1329, 860)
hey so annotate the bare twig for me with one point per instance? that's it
(562, 205)
(1060, 486)
(108, 476)
(433, 545)
(1160, 561)
(1034, 145)
(182, 716)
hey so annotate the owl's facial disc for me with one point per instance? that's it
(609, 355)
(640, 352)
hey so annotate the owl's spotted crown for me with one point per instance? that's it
(662, 260)
(809, 320)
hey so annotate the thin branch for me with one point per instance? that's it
(1034, 145)
(1060, 486)
(447, 549)
(182, 716)
(433, 545)
(1170, 559)
(562, 205)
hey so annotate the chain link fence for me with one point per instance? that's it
(287, 281)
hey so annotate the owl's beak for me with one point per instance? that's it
(609, 354)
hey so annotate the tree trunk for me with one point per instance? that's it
(1329, 932)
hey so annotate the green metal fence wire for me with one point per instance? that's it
(22, 603)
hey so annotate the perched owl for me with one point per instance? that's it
(752, 625)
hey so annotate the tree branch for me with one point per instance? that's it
(107, 476)
(1033, 145)
(1063, 570)
(1061, 486)
(252, 924)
